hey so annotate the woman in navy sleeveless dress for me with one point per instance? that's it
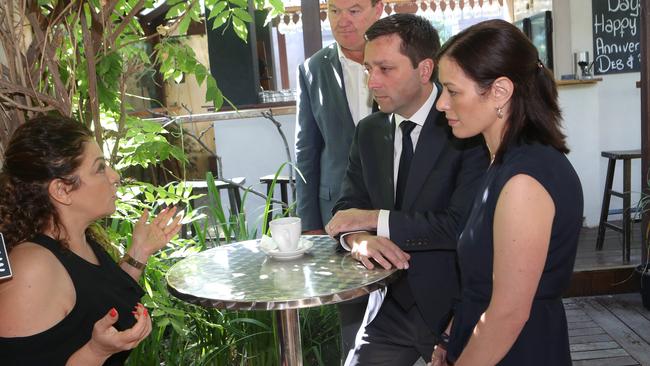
(68, 302)
(517, 251)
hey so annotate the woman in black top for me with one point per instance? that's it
(68, 302)
(517, 250)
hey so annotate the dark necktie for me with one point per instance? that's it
(404, 162)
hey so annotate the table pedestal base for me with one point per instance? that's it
(289, 337)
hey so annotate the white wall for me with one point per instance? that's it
(252, 148)
(597, 117)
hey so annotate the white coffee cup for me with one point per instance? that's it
(285, 232)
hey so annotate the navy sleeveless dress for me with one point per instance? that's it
(544, 339)
(98, 288)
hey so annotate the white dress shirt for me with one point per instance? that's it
(418, 118)
(356, 87)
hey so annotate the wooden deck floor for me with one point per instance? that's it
(612, 254)
(612, 330)
(603, 272)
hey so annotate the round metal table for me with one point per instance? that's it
(240, 276)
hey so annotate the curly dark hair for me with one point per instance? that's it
(40, 150)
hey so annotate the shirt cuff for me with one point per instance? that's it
(383, 229)
(342, 239)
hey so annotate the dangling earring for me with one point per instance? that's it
(499, 112)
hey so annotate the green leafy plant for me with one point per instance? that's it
(226, 227)
(319, 328)
(184, 334)
(285, 210)
(75, 58)
(81, 54)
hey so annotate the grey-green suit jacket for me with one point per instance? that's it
(324, 131)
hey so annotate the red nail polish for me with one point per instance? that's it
(113, 313)
(146, 313)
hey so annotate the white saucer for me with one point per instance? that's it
(268, 246)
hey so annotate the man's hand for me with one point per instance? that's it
(314, 232)
(382, 250)
(439, 356)
(352, 220)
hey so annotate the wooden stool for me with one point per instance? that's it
(284, 182)
(234, 196)
(626, 228)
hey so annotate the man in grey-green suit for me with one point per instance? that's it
(332, 98)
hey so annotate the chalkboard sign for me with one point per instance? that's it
(617, 41)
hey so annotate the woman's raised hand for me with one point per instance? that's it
(149, 237)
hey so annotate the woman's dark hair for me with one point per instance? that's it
(40, 150)
(419, 38)
(496, 48)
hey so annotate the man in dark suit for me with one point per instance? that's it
(332, 98)
(408, 189)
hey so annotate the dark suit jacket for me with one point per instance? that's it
(444, 176)
(324, 131)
